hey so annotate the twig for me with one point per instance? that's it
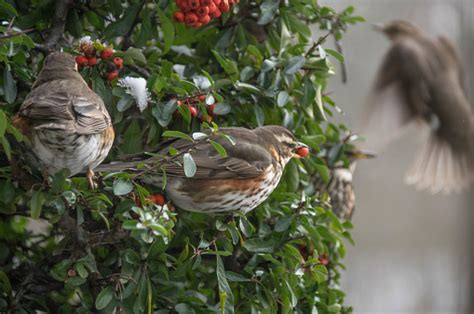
(26, 31)
(339, 49)
(127, 40)
(142, 71)
(316, 44)
(58, 25)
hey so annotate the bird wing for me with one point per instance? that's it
(66, 105)
(399, 94)
(246, 159)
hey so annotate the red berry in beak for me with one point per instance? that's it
(302, 151)
(158, 199)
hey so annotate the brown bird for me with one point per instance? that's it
(421, 80)
(240, 180)
(340, 186)
(66, 123)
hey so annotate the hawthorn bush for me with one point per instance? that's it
(123, 248)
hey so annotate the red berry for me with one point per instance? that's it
(106, 53)
(201, 98)
(215, 14)
(217, 2)
(81, 61)
(179, 103)
(202, 11)
(193, 111)
(182, 3)
(118, 62)
(196, 25)
(302, 151)
(224, 7)
(194, 4)
(206, 2)
(179, 17)
(324, 259)
(210, 109)
(91, 61)
(158, 199)
(71, 273)
(212, 7)
(191, 18)
(112, 75)
(205, 19)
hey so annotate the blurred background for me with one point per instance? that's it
(413, 250)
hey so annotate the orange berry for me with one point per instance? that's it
(91, 61)
(179, 17)
(224, 7)
(201, 98)
(193, 111)
(191, 18)
(112, 75)
(212, 8)
(215, 14)
(202, 11)
(106, 53)
(205, 19)
(118, 62)
(82, 61)
(302, 151)
(194, 4)
(158, 199)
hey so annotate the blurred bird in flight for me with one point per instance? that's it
(421, 80)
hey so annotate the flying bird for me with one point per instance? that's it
(240, 180)
(66, 123)
(421, 80)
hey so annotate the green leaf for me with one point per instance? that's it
(125, 102)
(219, 148)
(189, 165)
(225, 293)
(294, 64)
(132, 142)
(258, 245)
(36, 204)
(9, 86)
(335, 54)
(134, 55)
(282, 98)
(122, 186)
(177, 134)
(104, 297)
(168, 30)
(268, 10)
(228, 65)
(323, 172)
(6, 147)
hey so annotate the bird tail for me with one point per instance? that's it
(439, 168)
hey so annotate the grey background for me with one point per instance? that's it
(413, 249)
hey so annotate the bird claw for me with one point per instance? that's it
(91, 180)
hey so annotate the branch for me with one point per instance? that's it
(142, 71)
(23, 32)
(58, 25)
(127, 40)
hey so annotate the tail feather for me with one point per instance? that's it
(438, 168)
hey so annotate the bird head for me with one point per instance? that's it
(397, 28)
(285, 143)
(57, 65)
(60, 60)
(357, 154)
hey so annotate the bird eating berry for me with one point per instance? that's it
(240, 180)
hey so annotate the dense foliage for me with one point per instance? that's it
(66, 248)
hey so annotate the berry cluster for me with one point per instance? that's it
(192, 103)
(90, 54)
(196, 13)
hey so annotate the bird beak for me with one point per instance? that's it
(301, 150)
(360, 154)
(379, 27)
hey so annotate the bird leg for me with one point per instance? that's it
(91, 179)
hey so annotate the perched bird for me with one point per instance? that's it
(240, 180)
(340, 186)
(66, 123)
(421, 80)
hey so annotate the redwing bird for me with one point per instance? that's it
(421, 80)
(66, 123)
(340, 186)
(241, 180)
